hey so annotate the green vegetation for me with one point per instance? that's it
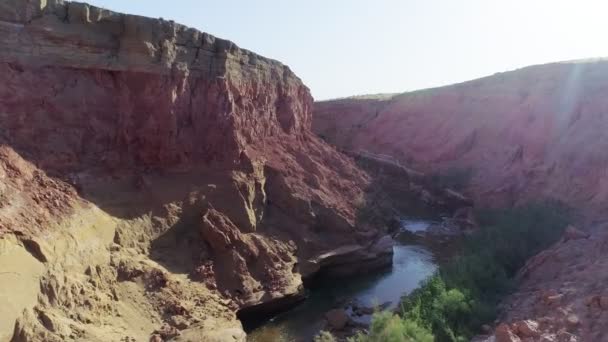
(453, 178)
(388, 327)
(465, 292)
(324, 336)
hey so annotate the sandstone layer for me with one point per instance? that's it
(532, 133)
(155, 180)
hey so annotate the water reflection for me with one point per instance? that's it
(411, 265)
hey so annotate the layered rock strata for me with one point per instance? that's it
(529, 134)
(155, 180)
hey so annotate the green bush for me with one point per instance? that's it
(324, 336)
(388, 327)
(464, 293)
(441, 310)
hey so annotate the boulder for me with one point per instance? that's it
(337, 318)
(572, 321)
(351, 259)
(384, 245)
(156, 338)
(526, 328)
(504, 334)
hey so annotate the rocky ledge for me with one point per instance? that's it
(562, 296)
(155, 180)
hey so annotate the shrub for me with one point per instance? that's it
(437, 308)
(324, 336)
(464, 293)
(388, 327)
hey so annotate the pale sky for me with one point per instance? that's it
(352, 47)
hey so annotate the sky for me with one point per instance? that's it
(353, 47)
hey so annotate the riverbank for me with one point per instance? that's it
(462, 298)
(414, 260)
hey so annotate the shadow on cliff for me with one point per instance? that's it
(395, 192)
(157, 211)
(161, 212)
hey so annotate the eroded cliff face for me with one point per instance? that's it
(532, 134)
(154, 93)
(154, 180)
(528, 134)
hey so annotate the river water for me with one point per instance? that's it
(413, 262)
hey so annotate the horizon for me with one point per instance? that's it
(402, 46)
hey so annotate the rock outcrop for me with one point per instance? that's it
(337, 318)
(531, 133)
(562, 294)
(155, 180)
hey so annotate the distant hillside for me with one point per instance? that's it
(536, 132)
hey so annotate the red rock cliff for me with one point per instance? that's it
(533, 133)
(156, 179)
(124, 90)
(537, 132)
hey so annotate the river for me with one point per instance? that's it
(413, 262)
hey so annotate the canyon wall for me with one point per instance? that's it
(155, 93)
(155, 180)
(532, 133)
(535, 133)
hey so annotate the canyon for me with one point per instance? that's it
(531, 134)
(157, 180)
(158, 183)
